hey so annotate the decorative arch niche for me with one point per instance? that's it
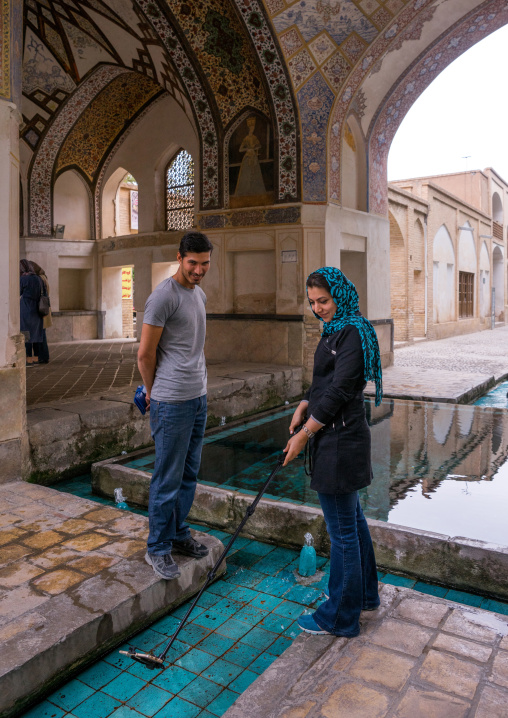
(354, 169)
(72, 205)
(497, 208)
(249, 162)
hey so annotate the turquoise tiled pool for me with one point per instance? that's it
(242, 623)
(496, 397)
(454, 455)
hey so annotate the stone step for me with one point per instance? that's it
(74, 584)
(416, 656)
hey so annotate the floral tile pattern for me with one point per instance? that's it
(290, 42)
(301, 66)
(103, 119)
(336, 70)
(315, 100)
(322, 47)
(225, 54)
(353, 47)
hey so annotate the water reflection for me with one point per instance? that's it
(439, 467)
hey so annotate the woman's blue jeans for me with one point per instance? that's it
(178, 430)
(353, 584)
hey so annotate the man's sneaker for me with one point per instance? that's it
(190, 547)
(163, 566)
(309, 625)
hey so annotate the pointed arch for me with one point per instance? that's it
(443, 277)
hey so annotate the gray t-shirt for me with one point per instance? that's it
(180, 373)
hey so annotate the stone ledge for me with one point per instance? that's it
(67, 436)
(63, 608)
(459, 562)
(401, 664)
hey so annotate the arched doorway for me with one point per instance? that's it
(484, 291)
(443, 277)
(398, 281)
(498, 282)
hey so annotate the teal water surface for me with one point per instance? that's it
(437, 467)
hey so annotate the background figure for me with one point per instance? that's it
(30, 319)
(250, 179)
(42, 349)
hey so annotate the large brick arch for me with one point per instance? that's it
(418, 71)
(458, 39)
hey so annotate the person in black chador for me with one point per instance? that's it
(335, 423)
(30, 320)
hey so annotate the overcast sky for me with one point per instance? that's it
(463, 112)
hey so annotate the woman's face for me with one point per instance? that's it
(322, 303)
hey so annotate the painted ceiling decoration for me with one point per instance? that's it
(103, 121)
(304, 65)
(64, 42)
(41, 170)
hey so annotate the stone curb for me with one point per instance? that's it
(66, 437)
(460, 562)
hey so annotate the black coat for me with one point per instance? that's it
(30, 319)
(340, 451)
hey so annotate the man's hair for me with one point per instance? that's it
(194, 242)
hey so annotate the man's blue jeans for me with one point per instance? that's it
(178, 430)
(353, 584)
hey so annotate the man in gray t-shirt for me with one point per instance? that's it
(171, 361)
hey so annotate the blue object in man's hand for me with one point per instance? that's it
(140, 398)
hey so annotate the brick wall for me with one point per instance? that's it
(398, 280)
(124, 212)
(127, 323)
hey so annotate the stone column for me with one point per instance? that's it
(14, 461)
(142, 287)
(13, 434)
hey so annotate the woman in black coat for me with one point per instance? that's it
(335, 424)
(30, 320)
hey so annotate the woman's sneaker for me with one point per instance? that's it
(326, 593)
(309, 625)
(190, 547)
(163, 566)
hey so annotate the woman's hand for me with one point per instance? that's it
(295, 445)
(299, 416)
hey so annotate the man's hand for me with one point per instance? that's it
(147, 357)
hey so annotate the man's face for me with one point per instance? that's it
(193, 268)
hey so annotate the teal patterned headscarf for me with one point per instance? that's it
(345, 296)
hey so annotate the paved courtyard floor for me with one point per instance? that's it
(457, 369)
(426, 653)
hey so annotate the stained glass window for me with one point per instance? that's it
(180, 192)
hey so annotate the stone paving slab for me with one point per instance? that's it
(74, 583)
(420, 384)
(416, 657)
(457, 369)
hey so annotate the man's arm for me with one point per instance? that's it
(147, 356)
